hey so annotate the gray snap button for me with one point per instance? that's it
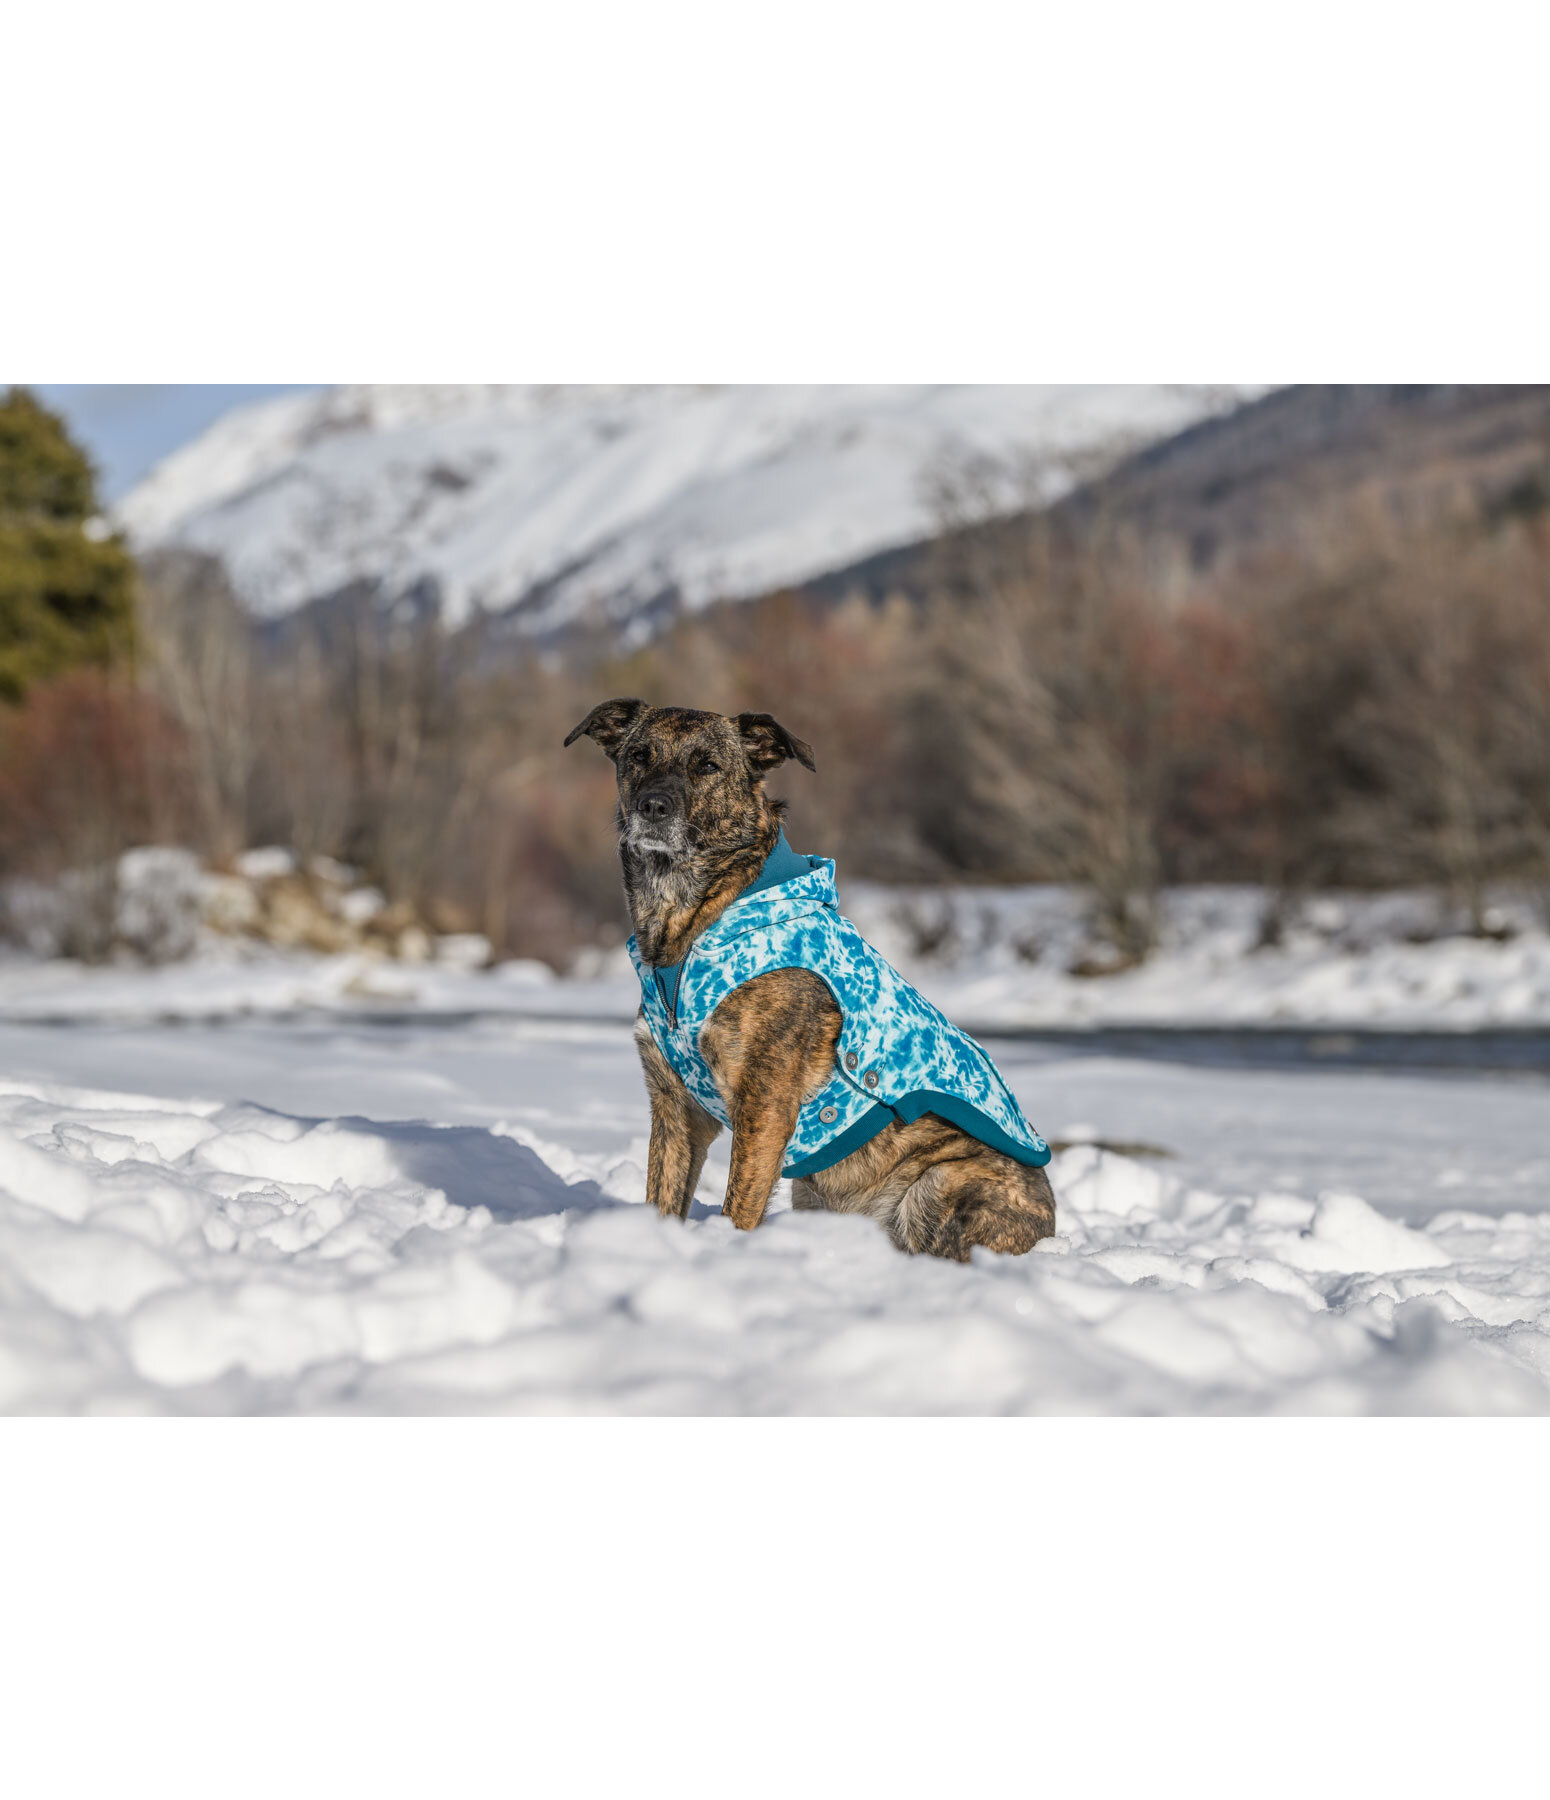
(851, 1059)
(829, 1114)
(870, 1078)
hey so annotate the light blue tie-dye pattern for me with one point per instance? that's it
(897, 1056)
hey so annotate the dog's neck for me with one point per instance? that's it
(673, 901)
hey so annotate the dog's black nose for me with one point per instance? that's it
(654, 807)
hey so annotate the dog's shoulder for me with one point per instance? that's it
(772, 1038)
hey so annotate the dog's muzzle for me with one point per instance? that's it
(657, 824)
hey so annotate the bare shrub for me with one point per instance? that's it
(1040, 715)
(304, 784)
(198, 662)
(1410, 728)
(89, 767)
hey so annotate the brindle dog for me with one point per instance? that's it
(695, 826)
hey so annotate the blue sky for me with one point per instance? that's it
(127, 428)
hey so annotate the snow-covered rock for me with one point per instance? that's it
(158, 913)
(157, 905)
(574, 497)
(1010, 958)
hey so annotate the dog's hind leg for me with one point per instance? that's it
(998, 1216)
(681, 1132)
(988, 1200)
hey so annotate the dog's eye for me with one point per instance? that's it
(707, 765)
(639, 758)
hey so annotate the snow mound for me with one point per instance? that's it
(205, 1257)
(573, 497)
(1346, 1235)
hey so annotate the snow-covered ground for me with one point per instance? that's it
(278, 1181)
(611, 496)
(284, 1216)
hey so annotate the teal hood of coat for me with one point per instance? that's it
(897, 1056)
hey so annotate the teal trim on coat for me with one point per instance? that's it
(908, 1110)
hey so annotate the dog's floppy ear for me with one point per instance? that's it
(767, 743)
(607, 724)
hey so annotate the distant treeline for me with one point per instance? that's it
(1373, 710)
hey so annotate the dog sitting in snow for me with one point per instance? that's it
(764, 1009)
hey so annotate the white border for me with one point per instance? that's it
(771, 1607)
(316, 190)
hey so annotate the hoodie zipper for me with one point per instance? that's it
(669, 1006)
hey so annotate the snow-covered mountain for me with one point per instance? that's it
(560, 500)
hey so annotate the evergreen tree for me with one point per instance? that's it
(66, 586)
